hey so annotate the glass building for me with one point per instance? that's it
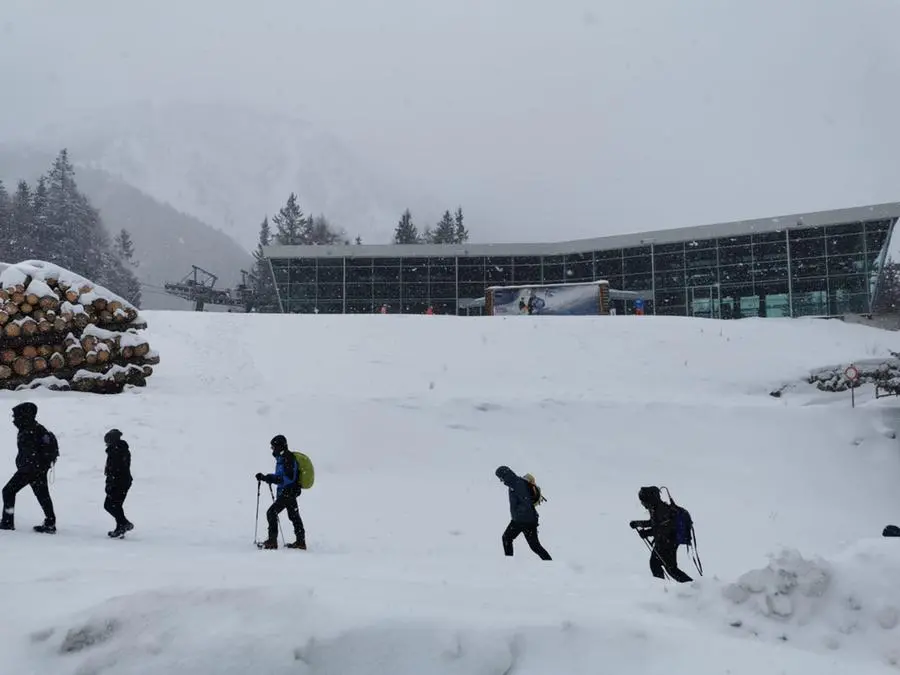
(817, 264)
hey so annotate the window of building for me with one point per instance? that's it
(526, 270)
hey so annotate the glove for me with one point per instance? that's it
(634, 524)
(260, 477)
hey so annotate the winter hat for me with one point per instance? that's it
(112, 436)
(279, 443)
(26, 410)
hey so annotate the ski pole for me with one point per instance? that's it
(256, 524)
(654, 552)
(277, 516)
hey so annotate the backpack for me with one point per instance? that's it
(307, 472)
(49, 448)
(536, 497)
(684, 530)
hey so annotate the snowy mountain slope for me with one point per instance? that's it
(230, 166)
(406, 418)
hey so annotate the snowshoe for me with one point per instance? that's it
(297, 544)
(45, 529)
(7, 525)
(268, 545)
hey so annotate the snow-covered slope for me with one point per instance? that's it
(230, 166)
(406, 418)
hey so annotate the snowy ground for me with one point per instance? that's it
(406, 418)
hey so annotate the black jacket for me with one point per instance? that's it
(118, 464)
(661, 525)
(30, 441)
(521, 497)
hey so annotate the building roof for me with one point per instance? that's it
(889, 210)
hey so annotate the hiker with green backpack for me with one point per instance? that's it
(293, 474)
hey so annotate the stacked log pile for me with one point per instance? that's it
(883, 373)
(61, 331)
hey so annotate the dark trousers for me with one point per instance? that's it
(287, 500)
(514, 529)
(38, 482)
(115, 500)
(664, 558)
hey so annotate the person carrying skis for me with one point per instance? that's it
(287, 478)
(37, 452)
(662, 527)
(523, 497)
(118, 481)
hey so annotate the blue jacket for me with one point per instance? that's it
(287, 474)
(521, 496)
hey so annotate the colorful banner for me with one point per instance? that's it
(565, 299)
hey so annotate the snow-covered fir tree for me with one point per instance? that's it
(55, 222)
(406, 231)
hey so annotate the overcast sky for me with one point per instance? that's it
(546, 119)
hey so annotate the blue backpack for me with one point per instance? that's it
(684, 530)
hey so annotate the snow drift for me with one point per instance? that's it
(406, 419)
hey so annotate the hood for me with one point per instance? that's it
(24, 414)
(504, 473)
(649, 496)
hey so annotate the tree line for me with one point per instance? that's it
(54, 221)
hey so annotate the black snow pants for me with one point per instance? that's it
(38, 482)
(664, 557)
(514, 529)
(286, 500)
(115, 500)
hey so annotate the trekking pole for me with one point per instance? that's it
(654, 552)
(277, 516)
(256, 524)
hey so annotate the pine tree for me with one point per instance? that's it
(406, 232)
(124, 247)
(6, 215)
(263, 286)
(321, 232)
(358, 241)
(445, 232)
(22, 224)
(40, 217)
(462, 234)
(291, 228)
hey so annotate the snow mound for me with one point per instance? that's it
(849, 603)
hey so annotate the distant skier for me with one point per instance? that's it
(523, 498)
(118, 481)
(37, 452)
(662, 527)
(287, 478)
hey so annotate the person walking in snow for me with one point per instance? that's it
(118, 481)
(523, 499)
(662, 527)
(287, 478)
(37, 453)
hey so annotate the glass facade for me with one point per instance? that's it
(805, 271)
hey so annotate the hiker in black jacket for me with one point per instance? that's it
(37, 453)
(661, 526)
(524, 516)
(118, 480)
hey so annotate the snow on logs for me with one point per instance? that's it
(61, 331)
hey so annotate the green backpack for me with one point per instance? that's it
(307, 472)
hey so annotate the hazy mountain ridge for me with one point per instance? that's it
(167, 242)
(230, 166)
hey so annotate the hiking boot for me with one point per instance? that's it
(270, 544)
(297, 544)
(120, 531)
(7, 524)
(46, 528)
